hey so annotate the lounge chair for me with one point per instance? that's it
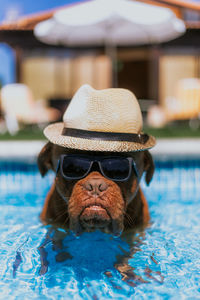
(19, 107)
(186, 103)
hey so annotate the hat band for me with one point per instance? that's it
(106, 136)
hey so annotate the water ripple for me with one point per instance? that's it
(161, 263)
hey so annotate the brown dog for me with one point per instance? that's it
(95, 202)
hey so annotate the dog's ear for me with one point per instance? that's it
(148, 166)
(44, 160)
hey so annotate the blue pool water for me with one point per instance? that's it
(163, 262)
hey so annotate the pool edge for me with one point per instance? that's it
(188, 148)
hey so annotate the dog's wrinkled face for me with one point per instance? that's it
(95, 202)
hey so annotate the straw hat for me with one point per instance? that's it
(101, 120)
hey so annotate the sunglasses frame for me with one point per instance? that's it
(97, 159)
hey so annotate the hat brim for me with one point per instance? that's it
(53, 133)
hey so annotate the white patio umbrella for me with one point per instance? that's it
(110, 23)
(118, 22)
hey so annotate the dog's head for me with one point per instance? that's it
(96, 202)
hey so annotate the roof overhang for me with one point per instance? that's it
(20, 32)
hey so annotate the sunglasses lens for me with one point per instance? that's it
(115, 168)
(75, 167)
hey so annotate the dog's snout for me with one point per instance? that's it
(95, 186)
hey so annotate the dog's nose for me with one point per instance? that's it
(95, 186)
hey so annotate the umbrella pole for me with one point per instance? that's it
(111, 52)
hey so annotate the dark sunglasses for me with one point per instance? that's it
(116, 168)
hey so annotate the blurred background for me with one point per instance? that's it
(41, 70)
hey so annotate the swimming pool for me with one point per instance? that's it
(164, 261)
